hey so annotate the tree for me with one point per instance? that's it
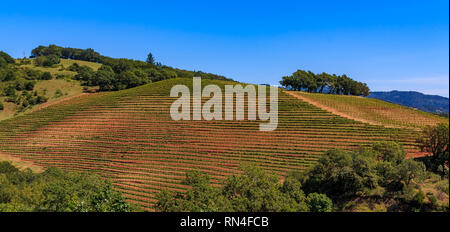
(85, 74)
(6, 58)
(435, 139)
(253, 191)
(319, 203)
(389, 151)
(335, 175)
(46, 76)
(202, 197)
(57, 191)
(150, 59)
(105, 78)
(47, 61)
(409, 170)
(259, 191)
(310, 82)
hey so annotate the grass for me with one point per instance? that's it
(129, 137)
(48, 88)
(372, 110)
(9, 109)
(56, 69)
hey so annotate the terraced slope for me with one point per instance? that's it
(128, 136)
(371, 110)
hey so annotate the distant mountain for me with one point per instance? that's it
(424, 102)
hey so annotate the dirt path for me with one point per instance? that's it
(21, 164)
(336, 112)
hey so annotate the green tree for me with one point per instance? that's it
(335, 176)
(435, 139)
(105, 78)
(389, 151)
(259, 191)
(6, 58)
(319, 203)
(150, 59)
(409, 170)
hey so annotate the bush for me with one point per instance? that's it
(418, 199)
(2, 107)
(432, 199)
(10, 91)
(319, 202)
(47, 61)
(25, 103)
(58, 93)
(30, 85)
(46, 76)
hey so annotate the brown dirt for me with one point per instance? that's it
(21, 164)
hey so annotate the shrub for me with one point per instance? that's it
(47, 61)
(46, 76)
(319, 202)
(58, 93)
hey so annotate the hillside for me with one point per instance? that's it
(424, 102)
(369, 110)
(60, 87)
(128, 136)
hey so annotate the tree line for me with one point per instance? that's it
(114, 74)
(319, 83)
(57, 191)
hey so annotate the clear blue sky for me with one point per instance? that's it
(390, 45)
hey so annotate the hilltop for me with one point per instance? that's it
(55, 73)
(129, 137)
(429, 103)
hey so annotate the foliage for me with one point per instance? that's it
(319, 202)
(311, 82)
(253, 191)
(435, 139)
(46, 76)
(150, 59)
(342, 175)
(57, 191)
(126, 73)
(5, 58)
(47, 61)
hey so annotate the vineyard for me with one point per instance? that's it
(371, 110)
(129, 137)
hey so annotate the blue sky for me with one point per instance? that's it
(401, 45)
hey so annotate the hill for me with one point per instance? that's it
(424, 102)
(60, 86)
(369, 110)
(129, 137)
